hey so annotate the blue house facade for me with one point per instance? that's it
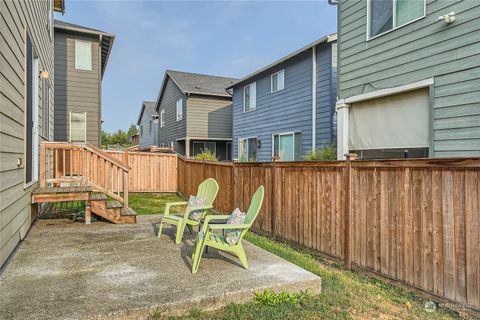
(148, 125)
(287, 108)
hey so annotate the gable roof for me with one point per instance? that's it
(195, 83)
(150, 107)
(107, 38)
(326, 39)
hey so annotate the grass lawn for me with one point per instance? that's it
(152, 203)
(345, 295)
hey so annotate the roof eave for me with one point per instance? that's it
(325, 39)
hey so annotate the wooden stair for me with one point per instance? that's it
(97, 203)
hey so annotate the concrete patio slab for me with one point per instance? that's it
(67, 270)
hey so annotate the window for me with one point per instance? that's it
(141, 131)
(179, 109)
(78, 127)
(287, 146)
(83, 55)
(247, 149)
(162, 118)
(386, 15)
(46, 109)
(204, 146)
(278, 81)
(250, 97)
(150, 127)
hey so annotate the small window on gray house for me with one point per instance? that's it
(250, 97)
(150, 127)
(83, 55)
(247, 149)
(78, 126)
(141, 131)
(162, 118)
(278, 81)
(179, 109)
(385, 15)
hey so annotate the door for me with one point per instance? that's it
(31, 123)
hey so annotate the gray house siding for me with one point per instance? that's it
(290, 109)
(76, 90)
(427, 48)
(16, 19)
(173, 129)
(148, 138)
(209, 117)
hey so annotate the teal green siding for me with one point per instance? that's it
(427, 48)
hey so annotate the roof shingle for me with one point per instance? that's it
(201, 83)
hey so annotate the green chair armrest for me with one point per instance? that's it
(228, 226)
(168, 205)
(215, 217)
(205, 207)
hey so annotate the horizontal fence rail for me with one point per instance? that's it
(412, 221)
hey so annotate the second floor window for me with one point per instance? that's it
(385, 15)
(250, 97)
(179, 109)
(141, 131)
(278, 81)
(162, 118)
(83, 55)
(150, 127)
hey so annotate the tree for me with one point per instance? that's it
(133, 130)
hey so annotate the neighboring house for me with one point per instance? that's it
(135, 140)
(26, 114)
(195, 113)
(279, 108)
(148, 125)
(409, 78)
(81, 56)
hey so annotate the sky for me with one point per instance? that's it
(225, 38)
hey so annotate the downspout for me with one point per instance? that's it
(314, 97)
(100, 91)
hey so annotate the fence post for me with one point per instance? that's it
(348, 212)
(234, 184)
(203, 169)
(273, 198)
(125, 157)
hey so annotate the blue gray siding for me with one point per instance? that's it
(149, 138)
(427, 48)
(289, 109)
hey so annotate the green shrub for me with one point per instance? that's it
(271, 298)
(328, 152)
(206, 155)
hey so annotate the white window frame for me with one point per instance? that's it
(162, 118)
(91, 55)
(290, 133)
(394, 19)
(70, 127)
(250, 108)
(271, 81)
(179, 109)
(238, 146)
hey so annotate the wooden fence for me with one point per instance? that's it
(412, 221)
(149, 172)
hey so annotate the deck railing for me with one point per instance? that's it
(79, 163)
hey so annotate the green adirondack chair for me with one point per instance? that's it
(208, 190)
(207, 236)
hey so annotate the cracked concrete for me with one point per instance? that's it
(67, 270)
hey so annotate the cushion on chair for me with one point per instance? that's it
(232, 236)
(193, 202)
